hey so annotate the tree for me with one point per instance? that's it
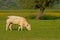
(42, 5)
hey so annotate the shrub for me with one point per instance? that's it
(44, 17)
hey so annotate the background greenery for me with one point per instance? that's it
(22, 4)
(49, 14)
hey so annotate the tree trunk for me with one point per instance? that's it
(41, 11)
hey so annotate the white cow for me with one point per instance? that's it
(22, 22)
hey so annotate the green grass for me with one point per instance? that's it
(41, 30)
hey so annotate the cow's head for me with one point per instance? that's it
(28, 27)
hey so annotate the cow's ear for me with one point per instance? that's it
(27, 24)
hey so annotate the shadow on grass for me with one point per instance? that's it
(44, 17)
(16, 29)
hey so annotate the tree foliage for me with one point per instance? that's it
(26, 4)
(42, 5)
(45, 3)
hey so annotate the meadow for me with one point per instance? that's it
(41, 29)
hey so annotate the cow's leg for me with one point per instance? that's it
(7, 26)
(10, 27)
(20, 27)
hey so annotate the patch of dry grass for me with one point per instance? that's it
(26, 13)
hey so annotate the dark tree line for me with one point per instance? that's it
(26, 4)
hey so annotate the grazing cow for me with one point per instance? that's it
(22, 22)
